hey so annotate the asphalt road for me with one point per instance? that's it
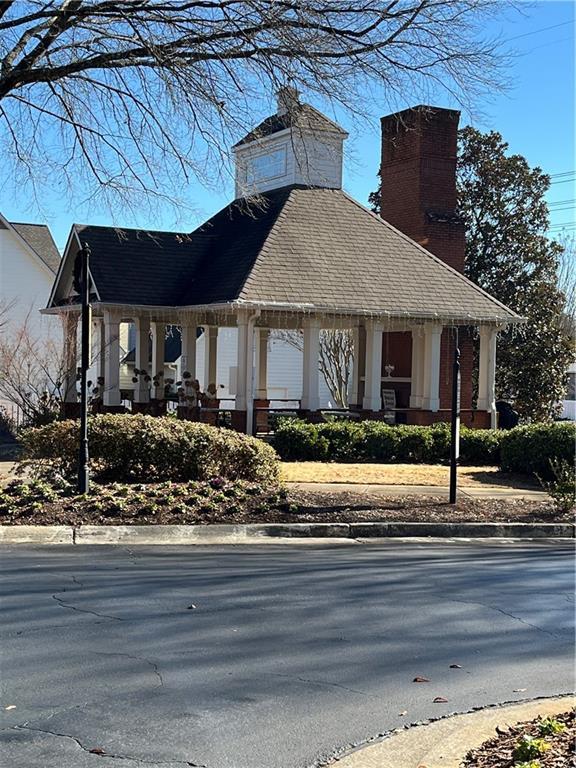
(290, 653)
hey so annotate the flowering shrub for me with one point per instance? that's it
(139, 448)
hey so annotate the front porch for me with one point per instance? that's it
(401, 372)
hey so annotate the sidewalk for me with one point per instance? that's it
(486, 492)
(444, 743)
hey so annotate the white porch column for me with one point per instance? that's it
(487, 373)
(70, 332)
(142, 362)
(158, 345)
(311, 372)
(358, 366)
(210, 355)
(418, 353)
(112, 358)
(188, 354)
(241, 361)
(100, 348)
(262, 364)
(373, 377)
(431, 389)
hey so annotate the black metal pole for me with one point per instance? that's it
(455, 430)
(83, 471)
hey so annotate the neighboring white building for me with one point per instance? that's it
(29, 261)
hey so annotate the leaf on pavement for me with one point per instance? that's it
(420, 680)
(190, 607)
(404, 712)
(97, 751)
(519, 690)
(455, 666)
(10, 706)
(440, 700)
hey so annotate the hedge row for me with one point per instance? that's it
(524, 449)
(138, 448)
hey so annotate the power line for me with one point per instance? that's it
(537, 31)
(565, 173)
(554, 203)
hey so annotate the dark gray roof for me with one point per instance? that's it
(39, 238)
(301, 116)
(298, 247)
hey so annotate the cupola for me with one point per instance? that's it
(297, 145)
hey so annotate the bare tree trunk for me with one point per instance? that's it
(335, 361)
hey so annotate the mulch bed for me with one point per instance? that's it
(498, 752)
(218, 501)
(350, 506)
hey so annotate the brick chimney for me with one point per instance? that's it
(418, 174)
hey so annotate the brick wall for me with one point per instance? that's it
(418, 196)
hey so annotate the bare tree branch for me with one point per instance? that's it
(128, 99)
(335, 359)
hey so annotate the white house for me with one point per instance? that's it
(29, 261)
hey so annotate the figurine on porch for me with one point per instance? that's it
(210, 397)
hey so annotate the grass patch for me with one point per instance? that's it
(398, 474)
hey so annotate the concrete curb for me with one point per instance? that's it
(444, 742)
(261, 533)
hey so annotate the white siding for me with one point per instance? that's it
(284, 369)
(23, 278)
(25, 285)
(311, 158)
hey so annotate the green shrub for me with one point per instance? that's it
(530, 449)
(414, 444)
(343, 439)
(480, 447)
(138, 448)
(375, 441)
(296, 440)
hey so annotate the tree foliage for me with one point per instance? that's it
(117, 97)
(502, 200)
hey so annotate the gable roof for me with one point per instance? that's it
(39, 238)
(301, 116)
(298, 249)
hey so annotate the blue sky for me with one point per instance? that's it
(535, 116)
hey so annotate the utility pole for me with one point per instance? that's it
(455, 426)
(82, 285)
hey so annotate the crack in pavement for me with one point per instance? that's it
(110, 755)
(64, 604)
(136, 658)
(506, 613)
(320, 682)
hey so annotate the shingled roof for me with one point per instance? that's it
(298, 248)
(301, 116)
(39, 238)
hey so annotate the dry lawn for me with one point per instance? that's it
(398, 474)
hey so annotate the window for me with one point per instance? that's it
(266, 166)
